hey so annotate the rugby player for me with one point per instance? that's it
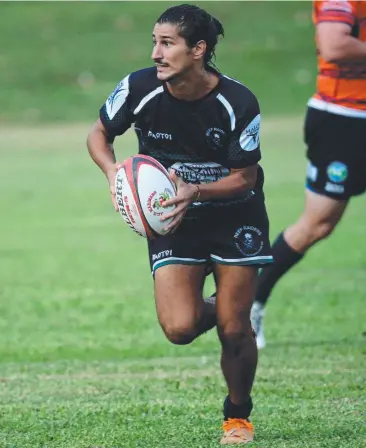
(204, 127)
(335, 135)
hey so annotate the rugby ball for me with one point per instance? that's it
(142, 184)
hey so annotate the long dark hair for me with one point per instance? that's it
(195, 24)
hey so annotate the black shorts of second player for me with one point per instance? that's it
(231, 235)
(336, 150)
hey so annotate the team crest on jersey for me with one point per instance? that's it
(248, 239)
(215, 137)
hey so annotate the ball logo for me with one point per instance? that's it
(123, 204)
(248, 240)
(128, 209)
(337, 172)
(155, 201)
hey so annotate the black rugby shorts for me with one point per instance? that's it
(233, 235)
(336, 150)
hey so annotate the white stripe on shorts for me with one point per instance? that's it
(247, 260)
(177, 260)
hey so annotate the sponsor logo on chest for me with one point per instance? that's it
(159, 135)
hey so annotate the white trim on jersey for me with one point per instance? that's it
(235, 80)
(147, 98)
(336, 109)
(229, 109)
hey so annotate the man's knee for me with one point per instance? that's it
(234, 334)
(179, 333)
(324, 229)
(316, 230)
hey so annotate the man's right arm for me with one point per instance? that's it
(100, 150)
(336, 44)
(115, 119)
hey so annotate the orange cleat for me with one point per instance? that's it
(236, 431)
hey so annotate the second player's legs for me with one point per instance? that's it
(320, 217)
(181, 310)
(336, 153)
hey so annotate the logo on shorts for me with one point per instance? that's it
(162, 254)
(312, 173)
(334, 188)
(248, 240)
(337, 172)
(155, 201)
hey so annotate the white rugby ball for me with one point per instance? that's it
(142, 184)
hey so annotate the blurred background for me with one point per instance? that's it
(83, 361)
(59, 60)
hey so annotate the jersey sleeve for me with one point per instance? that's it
(115, 114)
(335, 11)
(244, 142)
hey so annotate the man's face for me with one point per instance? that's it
(171, 54)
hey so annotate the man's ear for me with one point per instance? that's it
(199, 49)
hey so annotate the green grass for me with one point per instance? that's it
(83, 361)
(60, 60)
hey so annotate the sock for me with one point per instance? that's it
(209, 316)
(284, 258)
(234, 411)
(211, 299)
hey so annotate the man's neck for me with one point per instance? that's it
(193, 86)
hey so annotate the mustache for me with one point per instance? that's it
(160, 62)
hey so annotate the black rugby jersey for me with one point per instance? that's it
(202, 139)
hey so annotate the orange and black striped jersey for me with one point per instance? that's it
(342, 84)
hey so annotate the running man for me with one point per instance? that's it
(335, 135)
(204, 127)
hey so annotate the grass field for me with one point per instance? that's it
(83, 362)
